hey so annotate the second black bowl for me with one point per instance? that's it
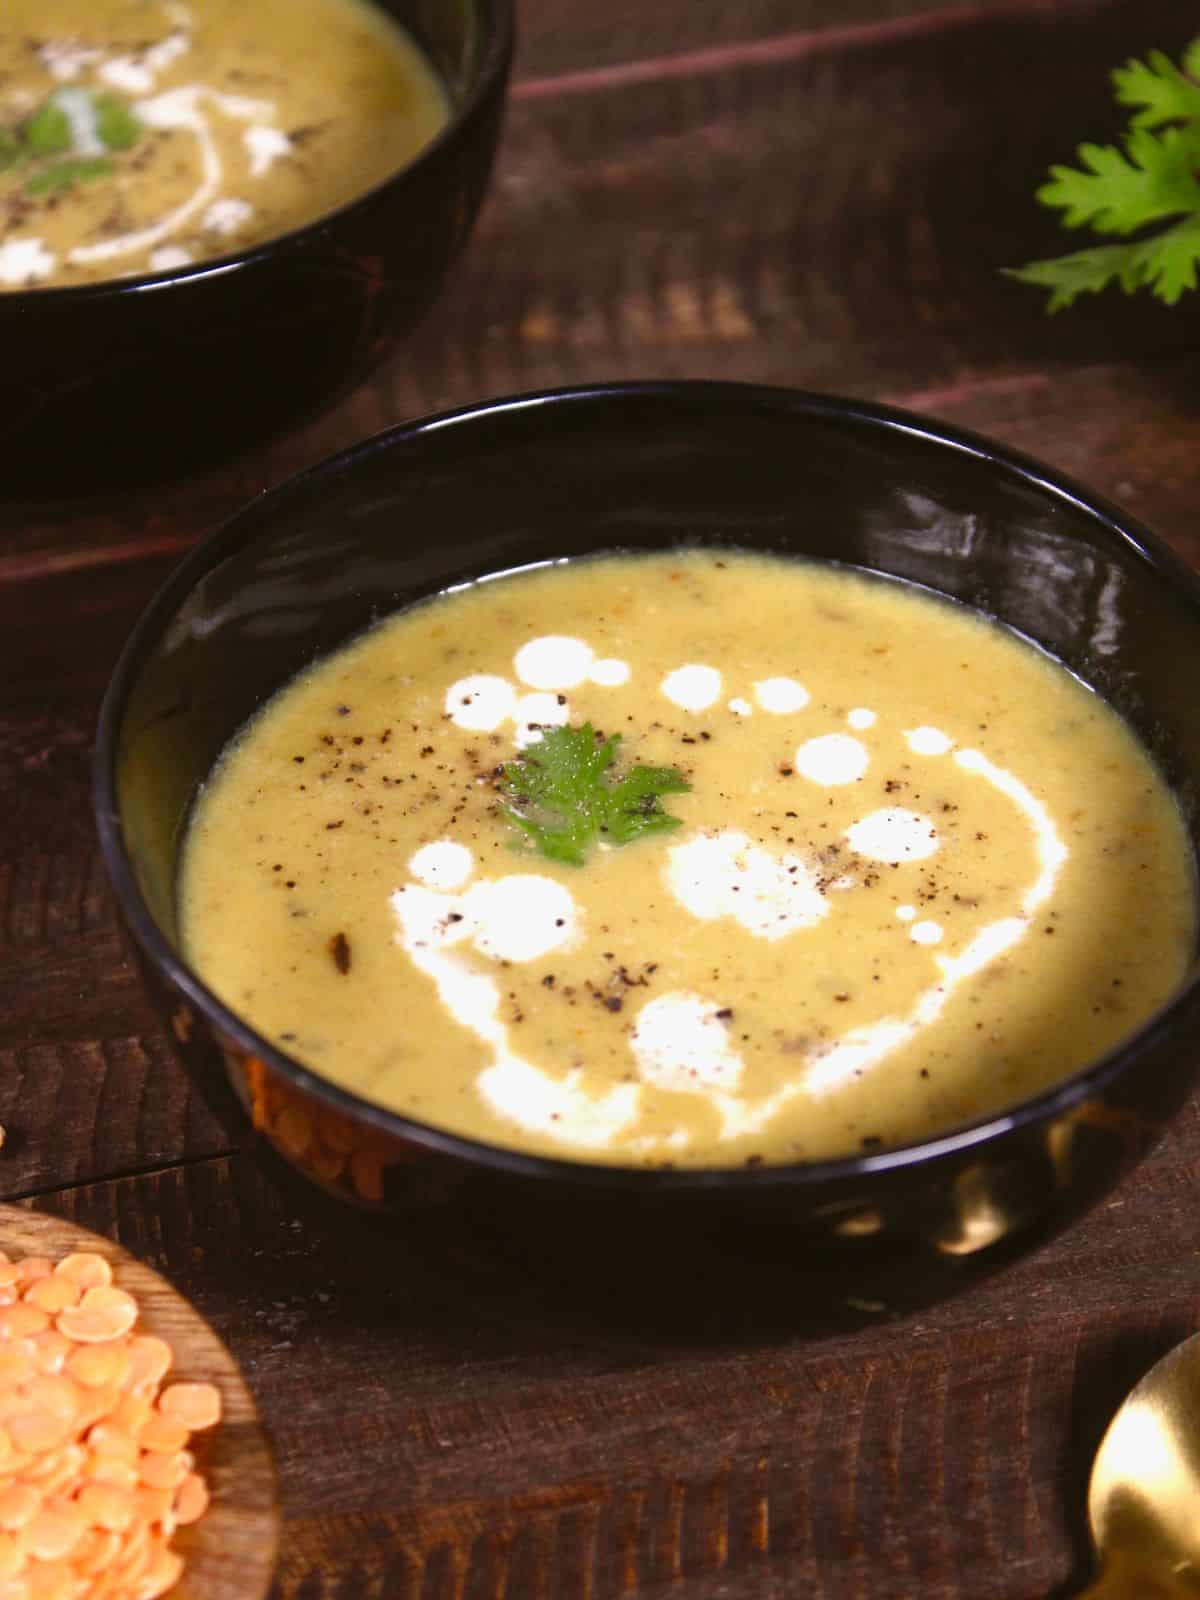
(137, 377)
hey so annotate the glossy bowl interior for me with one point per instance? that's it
(650, 467)
(135, 378)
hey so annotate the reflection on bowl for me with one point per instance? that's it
(144, 375)
(648, 467)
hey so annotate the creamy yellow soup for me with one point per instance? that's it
(143, 135)
(917, 874)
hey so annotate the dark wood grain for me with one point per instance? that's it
(811, 192)
(562, 37)
(88, 1083)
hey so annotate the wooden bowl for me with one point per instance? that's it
(230, 1552)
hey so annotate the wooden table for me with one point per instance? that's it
(814, 192)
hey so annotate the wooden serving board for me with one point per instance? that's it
(230, 1552)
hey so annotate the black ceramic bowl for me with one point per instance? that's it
(140, 376)
(643, 467)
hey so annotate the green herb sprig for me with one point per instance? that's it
(561, 794)
(44, 142)
(65, 174)
(1115, 191)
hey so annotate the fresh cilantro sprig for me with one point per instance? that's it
(45, 142)
(561, 793)
(117, 125)
(1152, 177)
(65, 174)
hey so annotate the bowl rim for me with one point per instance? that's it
(854, 413)
(499, 18)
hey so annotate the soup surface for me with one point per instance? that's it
(141, 135)
(918, 874)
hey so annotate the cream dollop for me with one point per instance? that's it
(781, 695)
(553, 662)
(169, 256)
(893, 834)
(533, 713)
(681, 1041)
(25, 261)
(481, 702)
(832, 759)
(692, 688)
(725, 874)
(444, 864)
(265, 146)
(929, 741)
(226, 215)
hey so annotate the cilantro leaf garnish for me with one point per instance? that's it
(1166, 265)
(1151, 178)
(1121, 191)
(48, 131)
(116, 125)
(45, 141)
(1158, 87)
(561, 793)
(62, 174)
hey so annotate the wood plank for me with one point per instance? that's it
(557, 36)
(88, 1082)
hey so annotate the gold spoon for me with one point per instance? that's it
(1144, 1495)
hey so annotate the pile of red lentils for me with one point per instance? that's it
(95, 1473)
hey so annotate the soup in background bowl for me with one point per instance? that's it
(210, 229)
(652, 470)
(138, 136)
